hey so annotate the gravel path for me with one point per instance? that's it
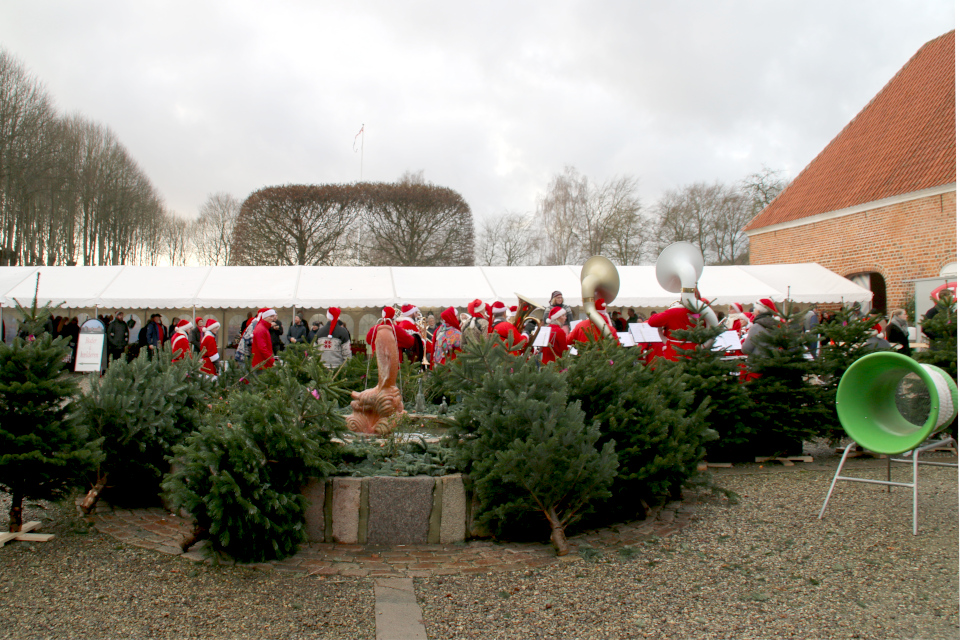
(83, 584)
(766, 568)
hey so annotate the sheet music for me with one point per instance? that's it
(626, 339)
(727, 341)
(643, 332)
(543, 337)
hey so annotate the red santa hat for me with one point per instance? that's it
(409, 310)
(765, 303)
(266, 313)
(389, 313)
(498, 308)
(210, 325)
(556, 312)
(474, 308)
(513, 310)
(737, 306)
(333, 315)
(184, 326)
(600, 304)
(449, 315)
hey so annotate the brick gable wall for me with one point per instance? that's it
(912, 239)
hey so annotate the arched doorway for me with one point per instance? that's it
(875, 282)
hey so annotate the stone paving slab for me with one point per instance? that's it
(162, 531)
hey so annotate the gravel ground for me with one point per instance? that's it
(83, 584)
(765, 568)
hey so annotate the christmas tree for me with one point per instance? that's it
(787, 404)
(41, 452)
(240, 475)
(140, 409)
(849, 337)
(649, 413)
(525, 445)
(942, 331)
(713, 378)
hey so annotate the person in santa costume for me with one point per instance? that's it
(477, 324)
(404, 338)
(676, 318)
(447, 339)
(209, 350)
(408, 321)
(506, 331)
(333, 340)
(262, 346)
(766, 318)
(558, 342)
(586, 331)
(736, 320)
(180, 342)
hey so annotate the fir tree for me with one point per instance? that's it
(240, 475)
(525, 445)
(715, 380)
(848, 338)
(787, 405)
(140, 409)
(649, 413)
(41, 452)
(942, 331)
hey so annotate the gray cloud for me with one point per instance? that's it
(490, 99)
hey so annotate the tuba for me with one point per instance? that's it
(679, 267)
(525, 309)
(598, 276)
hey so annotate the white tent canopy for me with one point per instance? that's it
(144, 287)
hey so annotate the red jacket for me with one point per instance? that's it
(262, 348)
(558, 343)
(669, 321)
(586, 331)
(181, 346)
(210, 353)
(404, 337)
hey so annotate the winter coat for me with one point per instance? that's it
(118, 334)
(297, 333)
(334, 349)
(763, 325)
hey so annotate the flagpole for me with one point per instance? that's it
(362, 134)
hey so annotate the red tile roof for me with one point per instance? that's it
(904, 140)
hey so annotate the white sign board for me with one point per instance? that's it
(89, 352)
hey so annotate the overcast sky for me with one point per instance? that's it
(490, 99)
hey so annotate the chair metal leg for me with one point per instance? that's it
(836, 475)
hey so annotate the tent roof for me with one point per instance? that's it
(144, 287)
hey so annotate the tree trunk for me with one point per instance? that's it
(90, 500)
(198, 534)
(557, 537)
(16, 510)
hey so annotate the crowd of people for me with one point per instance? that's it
(431, 341)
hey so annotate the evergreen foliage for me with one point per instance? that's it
(396, 456)
(716, 381)
(141, 409)
(240, 475)
(848, 338)
(41, 452)
(942, 331)
(649, 412)
(788, 405)
(525, 445)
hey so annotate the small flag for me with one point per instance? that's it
(359, 133)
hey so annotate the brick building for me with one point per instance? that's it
(879, 204)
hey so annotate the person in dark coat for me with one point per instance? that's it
(298, 331)
(118, 336)
(897, 332)
(276, 336)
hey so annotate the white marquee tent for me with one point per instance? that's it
(307, 287)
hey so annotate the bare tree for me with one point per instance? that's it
(213, 229)
(294, 225)
(508, 239)
(176, 239)
(762, 187)
(581, 219)
(415, 223)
